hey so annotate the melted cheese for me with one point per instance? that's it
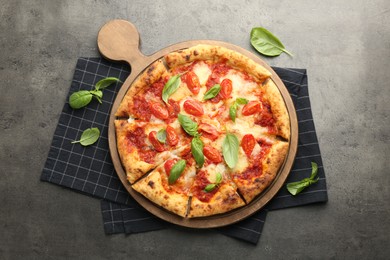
(203, 72)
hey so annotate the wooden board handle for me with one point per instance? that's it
(118, 40)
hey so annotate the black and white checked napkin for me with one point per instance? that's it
(90, 170)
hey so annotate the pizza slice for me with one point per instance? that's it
(169, 185)
(213, 192)
(142, 146)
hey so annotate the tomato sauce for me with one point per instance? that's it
(200, 184)
(256, 168)
(141, 108)
(137, 139)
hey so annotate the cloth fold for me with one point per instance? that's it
(90, 170)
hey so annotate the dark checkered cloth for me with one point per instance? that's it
(90, 170)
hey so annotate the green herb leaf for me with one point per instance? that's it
(97, 93)
(176, 171)
(80, 99)
(230, 147)
(188, 125)
(162, 136)
(197, 151)
(266, 43)
(170, 87)
(296, 187)
(102, 84)
(210, 187)
(218, 178)
(88, 137)
(212, 92)
(233, 108)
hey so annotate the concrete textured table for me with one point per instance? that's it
(345, 47)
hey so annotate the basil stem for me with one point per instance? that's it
(230, 148)
(296, 187)
(188, 125)
(266, 43)
(176, 171)
(197, 151)
(212, 92)
(89, 136)
(170, 87)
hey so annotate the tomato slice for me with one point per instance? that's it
(155, 142)
(193, 107)
(248, 142)
(192, 81)
(168, 166)
(226, 88)
(172, 137)
(208, 131)
(212, 154)
(251, 108)
(159, 110)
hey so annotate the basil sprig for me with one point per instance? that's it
(162, 136)
(266, 43)
(82, 98)
(188, 125)
(176, 171)
(296, 187)
(233, 108)
(197, 151)
(212, 92)
(212, 186)
(230, 148)
(170, 87)
(89, 136)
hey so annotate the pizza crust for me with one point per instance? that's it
(226, 199)
(152, 74)
(217, 54)
(278, 108)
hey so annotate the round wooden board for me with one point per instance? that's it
(118, 40)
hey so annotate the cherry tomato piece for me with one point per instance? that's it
(226, 88)
(248, 142)
(193, 107)
(155, 142)
(192, 81)
(168, 166)
(251, 108)
(212, 154)
(172, 137)
(159, 110)
(208, 131)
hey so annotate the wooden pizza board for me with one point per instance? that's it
(118, 40)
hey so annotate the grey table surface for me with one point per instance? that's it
(344, 45)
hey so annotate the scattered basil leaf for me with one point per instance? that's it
(212, 186)
(162, 136)
(89, 136)
(230, 147)
(176, 171)
(296, 187)
(266, 43)
(233, 108)
(197, 151)
(188, 125)
(212, 92)
(104, 83)
(80, 99)
(170, 87)
(97, 93)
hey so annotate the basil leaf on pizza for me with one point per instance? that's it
(89, 136)
(162, 136)
(296, 187)
(170, 87)
(233, 108)
(176, 171)
(212, 186)
(212, 92)
(197, 151)
(230, 147)
(188, 125)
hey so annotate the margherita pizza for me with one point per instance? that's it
(202, 131)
